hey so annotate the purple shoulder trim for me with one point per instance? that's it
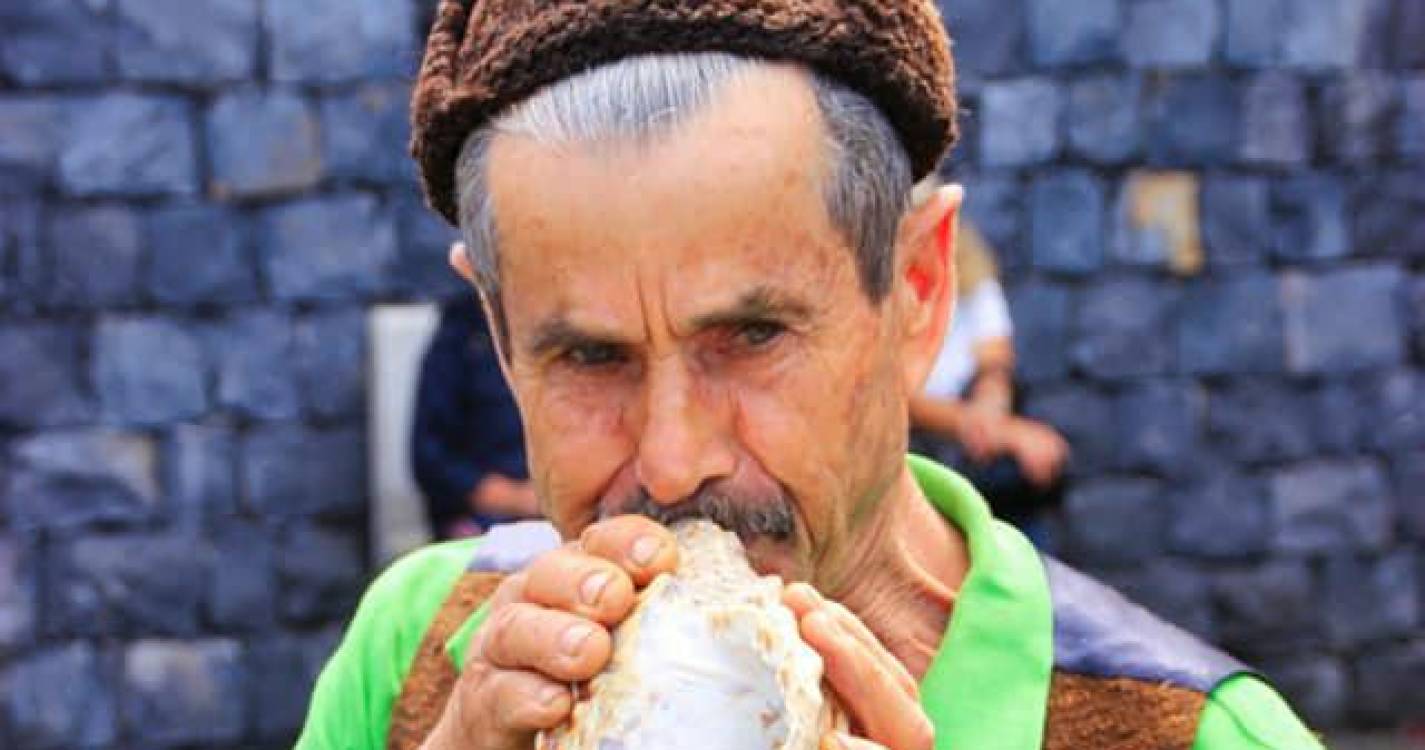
(509, 547)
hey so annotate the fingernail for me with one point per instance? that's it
(644, 550)
(573, 638)
(551, 694)
(593, 587)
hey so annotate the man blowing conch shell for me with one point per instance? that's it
(690, 223)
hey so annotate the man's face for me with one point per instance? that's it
(687, 331)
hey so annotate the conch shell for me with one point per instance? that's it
(710, 659)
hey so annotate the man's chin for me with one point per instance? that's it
(770, 557)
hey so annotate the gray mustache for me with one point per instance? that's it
(765, 517)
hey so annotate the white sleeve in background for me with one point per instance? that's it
(979, 316)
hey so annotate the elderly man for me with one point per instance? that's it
(690, 224)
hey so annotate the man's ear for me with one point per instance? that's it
(925, 282)
(494, 315)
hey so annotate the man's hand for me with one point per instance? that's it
(872, 685)
(499, 495)
(549, 627)
(1039, 450)
(982, 433)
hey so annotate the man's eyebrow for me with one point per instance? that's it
(556, 334)
(759, 303)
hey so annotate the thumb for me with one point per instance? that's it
(842, 741)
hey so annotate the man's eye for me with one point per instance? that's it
(593, 355)
(760, 333)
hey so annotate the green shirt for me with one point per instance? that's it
(986, 689)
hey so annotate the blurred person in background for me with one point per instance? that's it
(467, 446)
(965, 415)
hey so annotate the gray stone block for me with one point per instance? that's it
(996, 47)
(291, 471)
(1114, 521)
(1158, 425)
(34, 136)
(96, 257)
(1317, 686)
(1331, 506)
(1174, 591)
(126, 585)
(71, 479)
(1342, 321)
(1223, 516)
(23, 266)
(1253, 32)
(56, 42)
(1269, 608)
(19, 593)
(1191, 120)
(1388, 690)
(129, 145)
(321, 573)
(243, 593)
(1415, 313)
(1388, 214)
(1409, 27)
(184, 693)
(59, 699)
(1067, 218)
(42, 372)
(1104, 117)
(995, 205)
(1118, 331)
(1340, 418)
(149, 371)
(1358, 117)
(1170, 33)
(263, 143)
(200, 472)
(1020, 122)
(1370, 599)
(422, 268)
(187, 41)
(1311, 219)
(1410, 125)
(1231, 326)
(328, 41)
(199, 254)
(283, 671)
(1080, 414)
(1256, 422)
(1276, 124)
(1040, 311)
(1237, 222)
(365, 132)
(331, 363)
(1323, 34)
(253, 355)
(327, 248)
(1397, 411)
(1085, 32)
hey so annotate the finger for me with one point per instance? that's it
(636, 543)
(583, 584)
(851, 625)
(522, 702)
(557, 644)
(873, 695)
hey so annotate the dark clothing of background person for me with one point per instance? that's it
(467, 427)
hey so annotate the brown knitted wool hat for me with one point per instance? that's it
(485, 55)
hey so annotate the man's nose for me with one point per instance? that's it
(682, 443)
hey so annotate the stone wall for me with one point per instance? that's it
(198, 199)
(1211, 214)
(1212, 218)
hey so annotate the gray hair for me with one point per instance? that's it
(640, 97)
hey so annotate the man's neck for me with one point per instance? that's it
(904, 582)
